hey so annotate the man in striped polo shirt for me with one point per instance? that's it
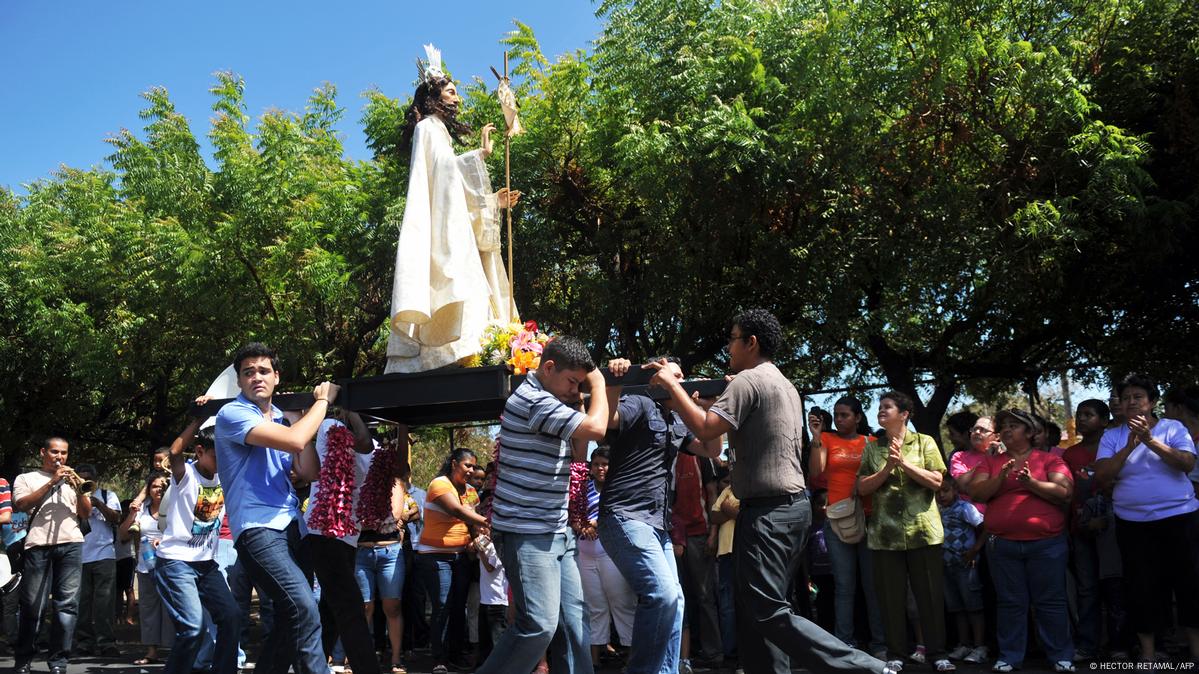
(540, 431)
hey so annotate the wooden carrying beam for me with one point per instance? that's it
(448, 396)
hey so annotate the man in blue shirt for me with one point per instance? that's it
(256, 450)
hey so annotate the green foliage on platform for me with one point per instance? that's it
(968, 192)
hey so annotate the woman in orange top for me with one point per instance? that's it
(835, 459)
(441, 561)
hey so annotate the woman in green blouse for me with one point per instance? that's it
(902, 471)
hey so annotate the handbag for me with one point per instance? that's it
(847, 519)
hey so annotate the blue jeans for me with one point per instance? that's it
(379, 572)
(272, 559)
(728, 613)
(768, 547)
(645, 557)
(851, 561)
(181, 585)
(57, 570)
(1031, 572)
(548, 596)
(446, 579)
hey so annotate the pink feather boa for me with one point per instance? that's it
(332, 514)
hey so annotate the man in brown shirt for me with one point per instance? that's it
(53, 557)
(762, 413)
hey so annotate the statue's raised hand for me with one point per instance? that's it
(486, 144)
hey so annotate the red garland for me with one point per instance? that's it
(332, 514)
(577, 505)
(374, 503)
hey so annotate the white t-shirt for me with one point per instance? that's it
(193, 518)
(362, 464)
(493, 585)
(148, 533)
(98, 544)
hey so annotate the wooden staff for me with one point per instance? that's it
(508, 185)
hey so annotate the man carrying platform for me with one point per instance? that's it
(529, 511)
(635, 508)
(763, 415)
(255, 452)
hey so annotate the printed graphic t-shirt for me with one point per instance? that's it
(193, 518)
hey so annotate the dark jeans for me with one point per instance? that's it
(195, 594)
(728, 614)
(333, 562)
(495, 617)
(50, 569)
(768, 546)
(271, 558)
(924, 569)
(243, 587)
(698, 576)
(97, 604)
(416, 628)
(446, 580)
(1031, 573)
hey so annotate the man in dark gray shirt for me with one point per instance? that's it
(762, 413)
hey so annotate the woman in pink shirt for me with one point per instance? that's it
(1026, 491)
(984, 442)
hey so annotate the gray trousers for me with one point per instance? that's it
(768, 546)
(97, 605)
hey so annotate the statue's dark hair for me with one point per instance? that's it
(425, 102)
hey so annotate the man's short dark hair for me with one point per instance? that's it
(51, 438)
(962, 421)
(568, 353)
(763, 325)
(89, 469)
(255, 350)
(600, 453)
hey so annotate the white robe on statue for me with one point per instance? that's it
(449, 276)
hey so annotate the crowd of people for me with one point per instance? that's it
(616, 528)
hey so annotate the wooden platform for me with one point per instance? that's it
(450, 395)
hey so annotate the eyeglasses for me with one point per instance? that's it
(982, 429)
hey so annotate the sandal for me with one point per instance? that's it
(146, 661)
(398, 668)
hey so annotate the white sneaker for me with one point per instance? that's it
(1063, 666)
(960, 652)
(977, 655)
(893, 667)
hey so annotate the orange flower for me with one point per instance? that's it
(524, 361)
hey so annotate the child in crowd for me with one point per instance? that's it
(964, 539)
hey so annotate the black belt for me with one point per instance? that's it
(773, 501)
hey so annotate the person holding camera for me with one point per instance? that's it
(53, 556)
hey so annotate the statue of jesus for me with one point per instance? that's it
(449, 276)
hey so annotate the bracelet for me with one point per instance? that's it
(324, 400)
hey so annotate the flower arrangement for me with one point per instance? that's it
(516, 345)
(374, 504)
(332, 513)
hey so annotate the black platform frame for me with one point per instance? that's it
(449, 395)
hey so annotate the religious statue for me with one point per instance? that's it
(449, 281)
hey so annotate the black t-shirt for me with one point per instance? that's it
(641, 466)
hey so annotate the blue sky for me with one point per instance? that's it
(74, 70)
